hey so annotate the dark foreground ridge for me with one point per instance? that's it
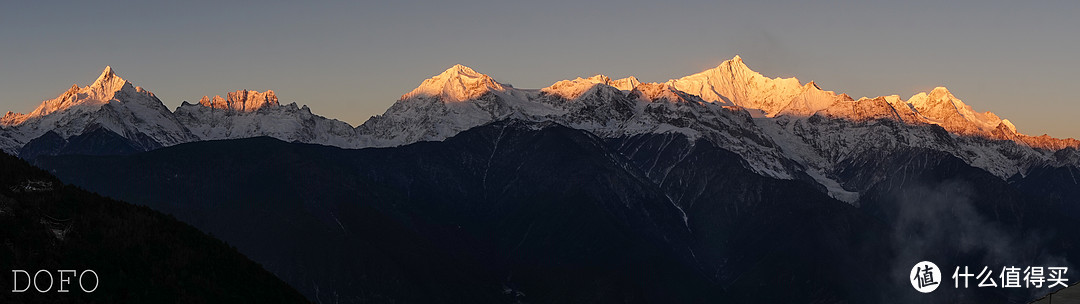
(139, 255)
(542, 213)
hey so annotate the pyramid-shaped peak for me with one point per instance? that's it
(458, 73)
(942, 94)
(724, 69)
(461, 70)
(106, 74)
(735, 64)
(109, 79)
(458, 83)
(940, 91)
(104, 90)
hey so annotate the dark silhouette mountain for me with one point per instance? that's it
(538, 212)
(941, 209)
(502, 212)
(754, 234)
(100, 141)
(139, 255)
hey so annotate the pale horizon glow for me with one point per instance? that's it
(350, 61)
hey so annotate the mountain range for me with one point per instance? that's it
(781, 127)
(724, 184)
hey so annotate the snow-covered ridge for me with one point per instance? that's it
(782, 127)
(734, 83)
(572, 89)
(247, 113)
(114, 104)
(436, 111)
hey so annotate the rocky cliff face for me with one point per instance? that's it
(241, 101)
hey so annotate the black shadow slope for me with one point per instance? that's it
(509, 211)
(546, 214)
(762, 239)
(941, 209)
(139, 255)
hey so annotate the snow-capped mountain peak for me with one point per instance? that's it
(941, 107)
(108, 78)
(103, 90)
(110, 103)
(456, 84)
(811, 100)
(735, 82)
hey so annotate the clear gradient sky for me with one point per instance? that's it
(351, 60)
